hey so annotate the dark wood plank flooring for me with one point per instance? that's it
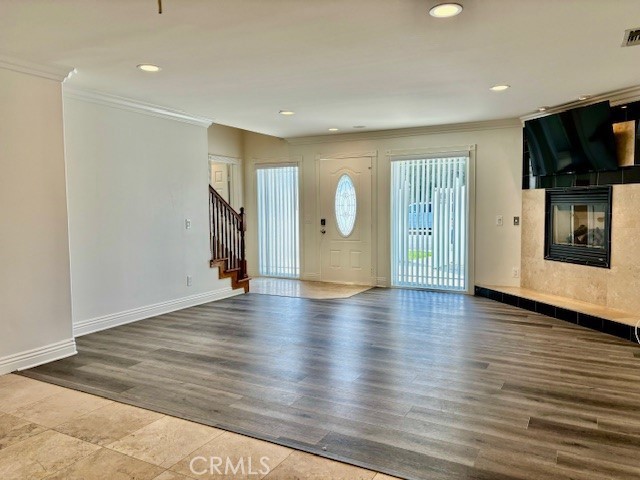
(416, 384)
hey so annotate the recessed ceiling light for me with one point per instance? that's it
(584, 97)
(148, 67)
(543, 109)
(623, 106)
(359, 126)
(446, 10)
(499, 88)
(286, 112)
(333, 129)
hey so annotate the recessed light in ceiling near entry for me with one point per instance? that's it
(446, 10)
(286, 112)
(584, 97)
(333, 129)
(149, 67)
(499, 88)
(542, 109)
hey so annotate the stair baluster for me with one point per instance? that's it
(228, 246)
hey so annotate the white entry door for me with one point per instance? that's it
(345, 210)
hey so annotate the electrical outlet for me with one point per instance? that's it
(189, 280)
(187, 223)
(499, 220)
(516, 272)
(516, 221)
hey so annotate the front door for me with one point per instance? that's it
(345, 211)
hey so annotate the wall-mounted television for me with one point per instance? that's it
(575, 141)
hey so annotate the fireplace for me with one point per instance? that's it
(578, 226)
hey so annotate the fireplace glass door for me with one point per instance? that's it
(578, 225)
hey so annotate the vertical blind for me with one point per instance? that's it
(429, 241)
(278, 221)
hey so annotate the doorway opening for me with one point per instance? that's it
(429, 223)
(225, 176)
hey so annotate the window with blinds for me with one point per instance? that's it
(278, 221)
(429, 241)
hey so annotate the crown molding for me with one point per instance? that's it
(135, 106)
(406, 132)
(50, 72)
(616, 97)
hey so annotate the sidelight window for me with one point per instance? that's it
(278, 221)
(429, 223)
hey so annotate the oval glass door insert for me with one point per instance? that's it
(345, 205)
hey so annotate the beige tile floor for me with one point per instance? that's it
(298, 288)
(50, 432)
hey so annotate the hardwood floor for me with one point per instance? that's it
(414, 384)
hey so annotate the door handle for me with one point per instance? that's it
(323, 231)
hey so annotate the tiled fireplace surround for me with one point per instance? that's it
(560, 289)
(618, 287)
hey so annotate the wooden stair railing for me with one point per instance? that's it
(227, 240)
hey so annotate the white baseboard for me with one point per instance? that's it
(37, 356)
(381, 282)
(84, 327)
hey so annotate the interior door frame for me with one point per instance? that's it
(373, 158)
(234, 175)
(433, 152)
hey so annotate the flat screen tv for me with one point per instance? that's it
(578, 140)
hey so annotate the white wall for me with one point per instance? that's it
(133, 179)
(226, 141)
(35, 299)
(498, 189)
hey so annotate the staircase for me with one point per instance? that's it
(227, 241)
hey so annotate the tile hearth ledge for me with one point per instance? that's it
(586, 308)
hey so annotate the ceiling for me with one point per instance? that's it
(383, 64)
